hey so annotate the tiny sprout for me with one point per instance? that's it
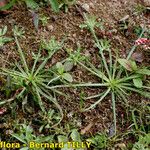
(3, 38)
(19, 31)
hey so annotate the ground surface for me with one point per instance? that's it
(67, 25)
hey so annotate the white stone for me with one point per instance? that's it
(86, 7)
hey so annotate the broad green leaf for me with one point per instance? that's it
(67, 77)
(68, 65)
(99, 140)
(6, 39)
(133, 65)
(41, 128)
(47, 126)
(64, 139)
(45, 139)
(31, 4)
(144, 71)
(54, 5)
(75, 135)
(138, 82)
(128, 64)
(60, 67)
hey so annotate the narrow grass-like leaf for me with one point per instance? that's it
(134, 119)
(97, 102)
(51, 99)
(95, 96)
(114, 110)
(39, 100)
(8, 5)
(54, 5)
(23, 60)
(144, 71)
(99, 74)
(19, 138)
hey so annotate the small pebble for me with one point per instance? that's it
(50, 28)
(86, 7)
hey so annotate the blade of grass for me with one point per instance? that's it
(134, 119)
(54, 79)
(101, 75)
(79, 85)
(51, 99)
(95, 96)
(35, 62)
(114, 111)
(23, 60)
(97, 102)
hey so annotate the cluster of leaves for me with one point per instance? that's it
(99, 141)
(3, 38)
(25, 135)
(74, 135)
(132, 67)
(143, 143)
(37, 82)
(115, 76)
(32, 4)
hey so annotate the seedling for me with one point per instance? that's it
(57, 4)
(75, 56)
(66, 3)
(51, 45)
(99, 141)
(25, 135)
(36, 81)
(113, 77)
(62, 72)
(3, 38)
(44, 19)
(32, 4)
(143, 143)
(139, 9)
(132, 67)
(74, 136)
(19, 31)
(48, 119)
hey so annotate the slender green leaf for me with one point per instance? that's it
(21, 139)
(144, 71)
(31, 4)
(54, 5)
(8, 5)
